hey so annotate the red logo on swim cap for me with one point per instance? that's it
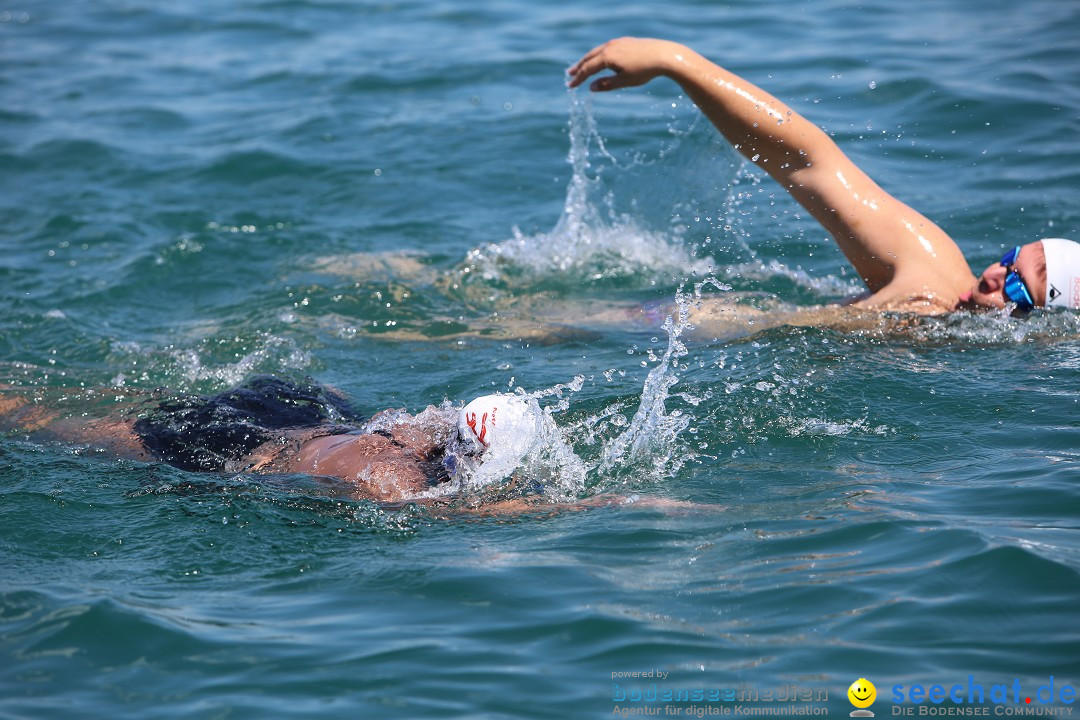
(470, 420)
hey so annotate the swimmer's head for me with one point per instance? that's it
(1047, 270)
(496, 429)
(506, 446)
(492, 422)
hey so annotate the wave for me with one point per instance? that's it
(252, 166)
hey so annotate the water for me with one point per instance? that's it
(379, 196)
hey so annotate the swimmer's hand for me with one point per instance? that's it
(635, 61)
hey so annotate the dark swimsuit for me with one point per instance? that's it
(247, 428)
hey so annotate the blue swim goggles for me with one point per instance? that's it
(1015, 289)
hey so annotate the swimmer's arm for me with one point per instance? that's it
(884, 239)
(40, 418)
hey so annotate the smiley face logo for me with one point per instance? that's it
(862, 694)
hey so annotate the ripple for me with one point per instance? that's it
(149, 119)
(17, 117)
(95, 633)
(82, 154)
(253, 166)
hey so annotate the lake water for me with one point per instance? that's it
(404, 201)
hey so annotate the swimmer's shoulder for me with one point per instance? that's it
(924, 290)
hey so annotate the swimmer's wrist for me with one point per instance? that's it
(680, 63)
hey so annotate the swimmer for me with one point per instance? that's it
(907, 262)
(273, 426)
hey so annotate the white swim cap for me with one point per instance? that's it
(1062, 273)
(497, 424)
(503, 438)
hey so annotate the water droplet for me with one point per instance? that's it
(873, 84)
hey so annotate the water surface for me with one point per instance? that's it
(379, 196)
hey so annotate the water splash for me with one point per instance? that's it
(596, 240)
(648, 447)
(593, 239)
(545, 460)
(652, 438)
(210, 364)
(995, 328)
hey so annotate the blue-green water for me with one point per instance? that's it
(378, 195)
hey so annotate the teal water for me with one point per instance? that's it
(379, 196)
